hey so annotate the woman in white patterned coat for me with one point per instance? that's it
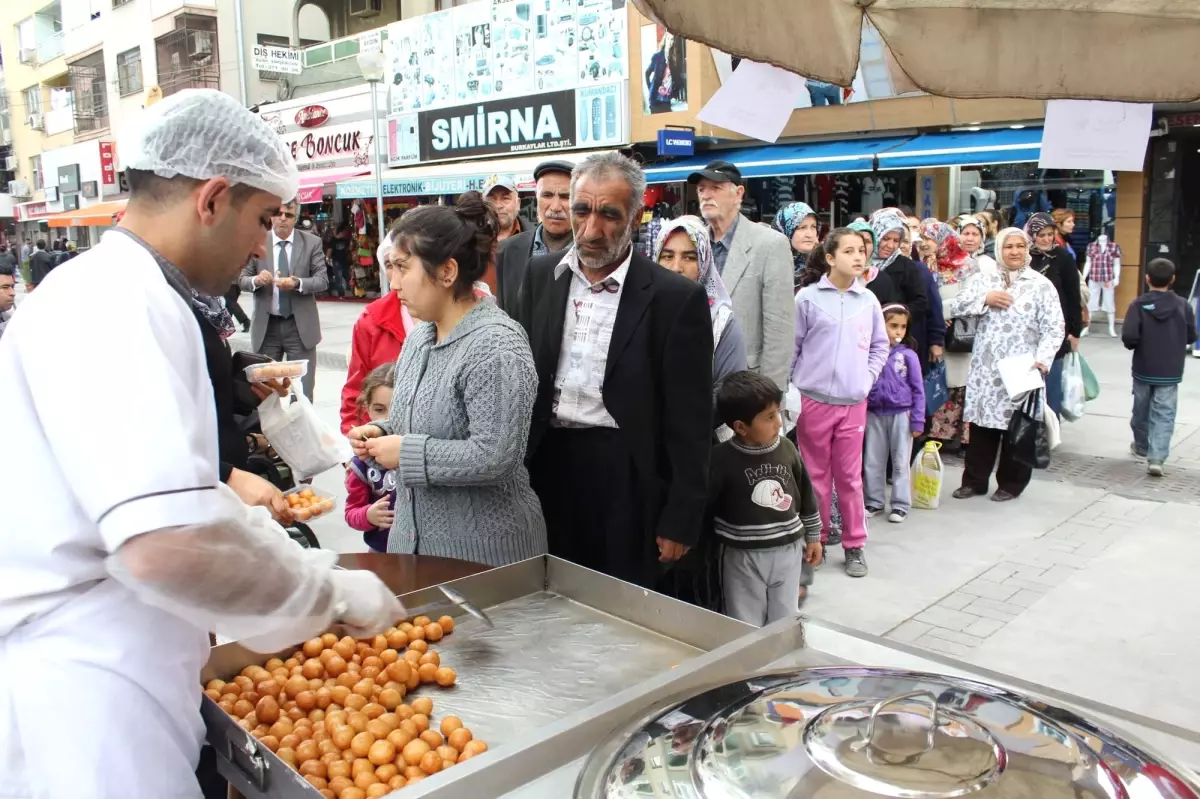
(1021, 314)
(463, 399)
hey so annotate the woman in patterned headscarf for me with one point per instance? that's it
(952, 267)
(683, 246)
(1057, 265)
(798, 221)
(909, 282)
(1018, 315)
(972, 235)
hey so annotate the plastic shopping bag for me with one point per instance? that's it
(1091, 386)
(1074, 395)
(936, 392)
(926, 477)
(304, 442)
(1053, 432)
(790, 409)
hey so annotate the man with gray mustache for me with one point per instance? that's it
(552, 234)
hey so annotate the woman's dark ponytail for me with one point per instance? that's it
(466, 232)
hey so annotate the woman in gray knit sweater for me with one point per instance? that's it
(461, 407)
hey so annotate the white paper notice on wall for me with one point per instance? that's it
(756, 101)
(1094, 134)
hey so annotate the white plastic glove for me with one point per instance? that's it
(363, 604)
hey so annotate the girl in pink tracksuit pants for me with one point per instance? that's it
(841, 347)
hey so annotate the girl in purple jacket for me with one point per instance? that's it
(840, 348)
(895, 416)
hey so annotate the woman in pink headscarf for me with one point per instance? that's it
(952, 266)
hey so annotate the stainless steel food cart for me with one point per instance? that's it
(576, 655)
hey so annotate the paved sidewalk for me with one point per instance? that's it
(1085, 583)
(337, 327)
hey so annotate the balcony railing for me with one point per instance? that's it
(50, 48)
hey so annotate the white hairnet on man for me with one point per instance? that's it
(120, 549)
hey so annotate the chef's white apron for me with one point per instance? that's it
(101, 698)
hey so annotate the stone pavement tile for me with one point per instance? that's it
(956, 601)
(944, 617)
(1031, 572)
(909, 631)
(984, 627)
(1093, 549)
(916, 565)
(943, 646)
(1070, 531)
(954, 636)
(1034, 555)
(1025, 598)
(1000, 572)
(987, 588)
(1060, 545)
(1053, 576)
(1130, 618)
(991, 609)
(1017, 582)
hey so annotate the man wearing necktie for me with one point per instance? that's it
(285, 288)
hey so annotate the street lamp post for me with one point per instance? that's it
(372, 65)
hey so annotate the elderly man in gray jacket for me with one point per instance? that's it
(756, 266)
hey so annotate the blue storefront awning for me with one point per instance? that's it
(926, 150)
(854, 155)
(1006, 146)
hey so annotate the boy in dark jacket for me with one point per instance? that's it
(762, 504)
(1158, 327)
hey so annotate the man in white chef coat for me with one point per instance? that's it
(119, 547)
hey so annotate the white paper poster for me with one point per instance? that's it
(1093, 134)
(756, 101)
(513, 72)
(602, 41)
(554, 52)
(437, 69)
(404, 65)
(473, 52)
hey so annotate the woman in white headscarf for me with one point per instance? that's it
(683, 246)
(972, 235)
(1019, 314)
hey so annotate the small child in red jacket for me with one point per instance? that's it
(371, 489)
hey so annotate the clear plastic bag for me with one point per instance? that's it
(1074, 391)
(304, 442)
(926, 477)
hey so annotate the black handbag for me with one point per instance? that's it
(960, 335)
(1027, 437)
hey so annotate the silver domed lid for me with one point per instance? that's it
(857, 732)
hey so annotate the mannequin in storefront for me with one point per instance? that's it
(1103, 271)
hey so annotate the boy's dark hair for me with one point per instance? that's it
(744, 395)
(1160, 273)
(906, 210)
(384, 375)
(8, 270)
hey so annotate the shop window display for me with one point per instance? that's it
(1020, 190)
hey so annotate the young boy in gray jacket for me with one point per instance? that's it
(762, 505)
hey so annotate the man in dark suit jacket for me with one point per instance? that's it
(620, 435)
(552, 234)
(285, 288)
(40, 263)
